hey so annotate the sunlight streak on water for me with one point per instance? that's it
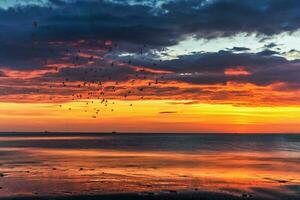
(96, 164)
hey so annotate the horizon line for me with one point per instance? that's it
(165, 133)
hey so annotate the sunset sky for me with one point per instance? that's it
(199, 66)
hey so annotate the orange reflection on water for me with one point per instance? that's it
(34, 171)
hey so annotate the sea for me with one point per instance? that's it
(57, 164)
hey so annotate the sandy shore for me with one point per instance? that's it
(69, 167)
(202, 196)
(150, 195)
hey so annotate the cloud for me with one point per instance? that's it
(268, 52)
(2, 74)
(95, 74)
(237, 49)
(131, 23)
(78, 40)
(167, 112)
(270, 45)
(262, 68)
(214, 61)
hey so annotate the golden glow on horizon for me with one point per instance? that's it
(147, 116)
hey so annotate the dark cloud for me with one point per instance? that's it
(208, 68)
(135, 24)
(215, 62)
(267, 52)
(87, 36)
(95, 73)
(270, 45)
(142, 24)
(26, 57)
(239, 49)
(199, 78)
(294, 51)
(2, 74)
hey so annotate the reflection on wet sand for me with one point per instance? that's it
(77, 170)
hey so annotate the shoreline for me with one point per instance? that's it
(203, 195)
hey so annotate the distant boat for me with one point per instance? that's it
(114, 132)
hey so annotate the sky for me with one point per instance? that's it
(189, 66)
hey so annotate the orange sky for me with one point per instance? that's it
(38, 100)
(33, 101)
(89, 82)
(148, 116)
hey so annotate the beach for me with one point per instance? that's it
(140, 166)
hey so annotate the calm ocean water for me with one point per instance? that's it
(73, 163)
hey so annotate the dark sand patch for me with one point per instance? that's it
(148, 196)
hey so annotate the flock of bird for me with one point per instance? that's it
(92, 91)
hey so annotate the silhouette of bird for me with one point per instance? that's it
(34, 24)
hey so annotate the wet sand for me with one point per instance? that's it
(146, 196)
(191, 195)
(149, 167)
